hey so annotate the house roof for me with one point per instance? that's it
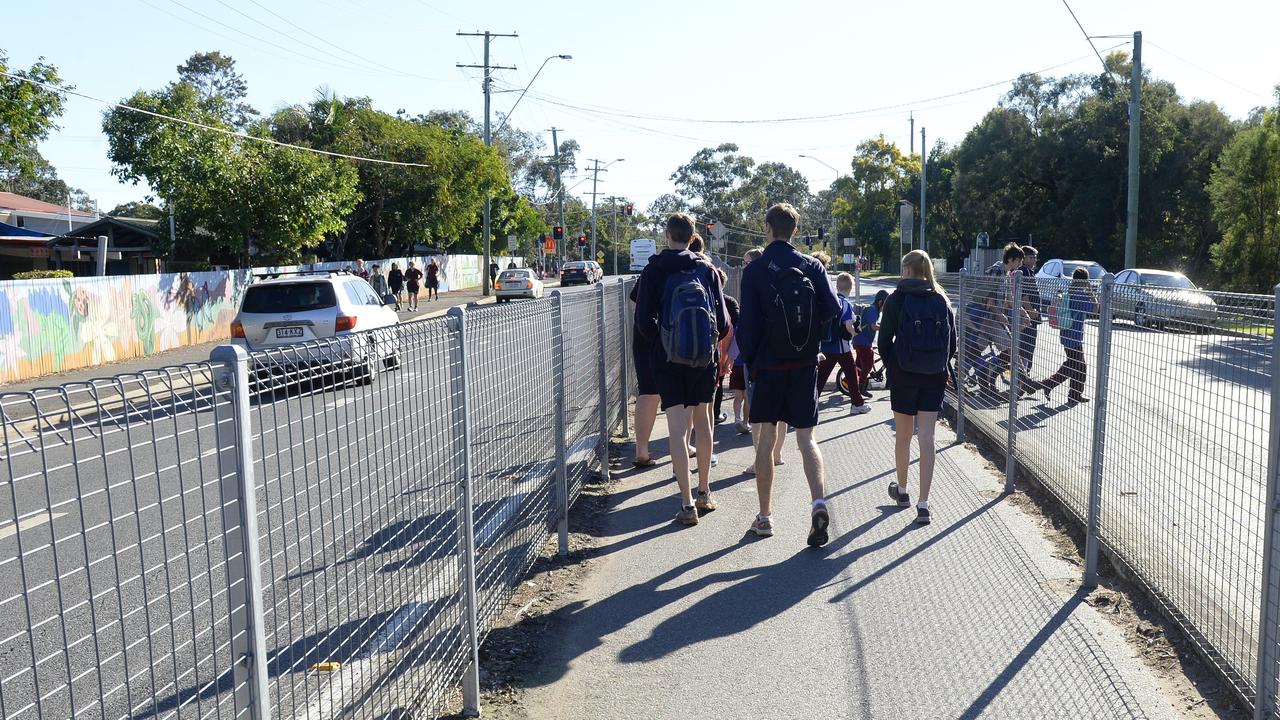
(124, 231)
(22, 203)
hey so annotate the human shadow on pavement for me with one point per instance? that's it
(1238, 361)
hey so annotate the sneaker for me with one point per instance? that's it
(693, 451)
(818, 526)
(751, 470)
(1077, 400)
(644, 462)
(703, 501)
(742, 427)
(922, 515)
(862, 409)
(903, 498)
(687, 516)
(715, 460)
(762, 527)
(722, 418)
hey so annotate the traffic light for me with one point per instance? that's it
(582, 241)
(629, 208)
(558, 232)
(709, 227)
(822, 232)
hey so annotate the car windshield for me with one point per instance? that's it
(1169, 281)
(514, 275)
(575, 266)
(289, 297)
(1095, 270)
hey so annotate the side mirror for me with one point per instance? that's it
(388, 299)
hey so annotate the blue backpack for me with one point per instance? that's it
(688, 320)
(924, 334)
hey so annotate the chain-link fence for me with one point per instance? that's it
(320, 530)
(1146, 408)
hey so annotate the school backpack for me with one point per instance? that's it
(789, 314)
(924, 334)
(1061, 311)
(688, 319)
(836, 331)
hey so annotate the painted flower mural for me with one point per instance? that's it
(98, 333)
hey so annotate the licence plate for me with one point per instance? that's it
(289, 332)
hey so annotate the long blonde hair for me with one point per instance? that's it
(921, 266)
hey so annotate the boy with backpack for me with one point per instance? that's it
(837, 346)
(917, 342)
(680, 311)
(786, 303)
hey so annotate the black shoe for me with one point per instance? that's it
(818, 527)
(1077, 400)
(922, 515)
(903, 499)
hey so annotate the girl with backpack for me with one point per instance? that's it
(917, 342)
(1072, 307)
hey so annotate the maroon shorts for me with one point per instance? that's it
(738, 378)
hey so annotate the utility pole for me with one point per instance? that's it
(559, 183)
(488, 141)
(595, 180)
(1135, 142)
(912, 119)
(924, 163)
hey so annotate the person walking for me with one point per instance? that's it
(1030, 306)
(378, 281)
(864, 356)
(728, 353)
(395, 282)
(837, 349)
(786, 301)
(433, 281)
(412, 283)
(1077, 303)
(917, 342)
(360, 269)
(493, 272)
(680, 311)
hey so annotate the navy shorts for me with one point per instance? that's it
(685, 386)
(789, 396)
(916, 399)
(646, 383)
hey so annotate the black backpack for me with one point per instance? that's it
(789, 314)
(923, 341)
(836, 330)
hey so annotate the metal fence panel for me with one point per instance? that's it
(116, 596)
(580, 312)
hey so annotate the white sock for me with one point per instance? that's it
(902, 489)
(765, 518)
(820, 502)
(923, 504)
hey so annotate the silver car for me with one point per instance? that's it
(298, 326)
(1161, 298)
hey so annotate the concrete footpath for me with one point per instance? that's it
(968, 617)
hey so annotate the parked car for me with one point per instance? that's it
(335, 310)
(522, 283)
(576, 272)
(1055, 275)
(1159, 298)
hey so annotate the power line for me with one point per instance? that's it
(601, 110)
(202, 126)
(1207, 71)
(1086, 35)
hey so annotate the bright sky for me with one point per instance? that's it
(743, 60)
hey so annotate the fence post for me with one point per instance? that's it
(1269, 623)
(962, 369)
(622, 335)
(471, 677)
(562, 472)
(857, 281)
(1098, 448)
(239, 501)
(602, 446)
(1015, 372)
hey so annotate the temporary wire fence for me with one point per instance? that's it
(1147, 410)
(319, 530)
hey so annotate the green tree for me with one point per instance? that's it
(1245, 189)
(137, 209)
(28, 112)
(221, 88)
(866, 202)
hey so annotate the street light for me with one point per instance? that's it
(822, 162)
(526, 88)
(835, 249)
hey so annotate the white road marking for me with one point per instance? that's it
(34, 521)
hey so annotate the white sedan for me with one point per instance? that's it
(518, 283)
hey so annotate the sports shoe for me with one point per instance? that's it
(922, 515)
(750, 470)
(703, 501)
(818, 526)
(903, 498)
(644, 462)
(742, 427)
(715, 460)
(687, 516)
(693, 451)
(722, 418)
(862, 409)
(762, 527)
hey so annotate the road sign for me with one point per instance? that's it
(848, 259)
(549, 245)
(718, 231)
(906, 223)
(599, 256)
(984, 240)
(848, 242)
(511, 243)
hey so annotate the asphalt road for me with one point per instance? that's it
(121, 528)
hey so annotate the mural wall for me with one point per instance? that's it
(54, 325)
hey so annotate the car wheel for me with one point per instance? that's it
(1140, 318)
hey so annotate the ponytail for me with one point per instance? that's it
(922, 267)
